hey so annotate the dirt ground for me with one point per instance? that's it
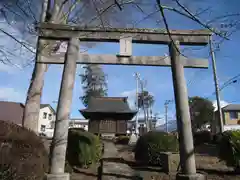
(206, 161)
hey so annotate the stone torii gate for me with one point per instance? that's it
(126, 37)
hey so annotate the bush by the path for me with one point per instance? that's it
(83, 149)
(122, 140)
(202, 137)
(149, 146)
(22, 153)
(216, 139)
(229, 147)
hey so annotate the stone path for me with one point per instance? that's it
(113, 165)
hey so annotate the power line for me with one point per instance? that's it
(232, 80)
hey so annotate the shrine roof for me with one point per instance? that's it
(108, 105)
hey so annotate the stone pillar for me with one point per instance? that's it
(187, 158)
(59, 143)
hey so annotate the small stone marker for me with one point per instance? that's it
(133, 139)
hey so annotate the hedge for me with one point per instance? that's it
(149, 146)
(83, 148)
(229, 146)
(122, 140)
(22, 153)
(202, 137)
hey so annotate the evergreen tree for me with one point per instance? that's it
(201, 111)
(94, 83)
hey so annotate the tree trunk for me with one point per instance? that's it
(145, 117)
(32, 104)
(150, 121)
(148, 127)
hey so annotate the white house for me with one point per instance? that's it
(46, 121)
(47, 118)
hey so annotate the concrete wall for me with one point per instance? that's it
(79, 123)
(231, 127)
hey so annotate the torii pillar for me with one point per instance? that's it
(59, 142)
(186, 147)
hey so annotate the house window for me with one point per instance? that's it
(43, 127)
(44, 115)
(50, 117)
(233, 115)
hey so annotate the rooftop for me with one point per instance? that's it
(231, 107)
(11, 112)
(108, 105)
(47, 105)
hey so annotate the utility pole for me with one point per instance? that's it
(166, 112)
(137, 76)
(142, 99)
(220, 117)
(166, 115)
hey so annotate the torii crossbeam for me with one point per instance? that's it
(130, 61)
(145, 36)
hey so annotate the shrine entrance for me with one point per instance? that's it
(74, 35)
(108, 116)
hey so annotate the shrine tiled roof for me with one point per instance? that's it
(108, 105)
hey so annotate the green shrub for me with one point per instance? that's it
(149, 146)
(230, 148)
(22, 153)
(202, 137)
(217, 138)
(122, 140)
(83, 148)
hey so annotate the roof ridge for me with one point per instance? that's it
(3, 101)
(111, 98)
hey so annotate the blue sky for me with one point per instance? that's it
(15, 79)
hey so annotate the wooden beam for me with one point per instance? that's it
(133, 60)
(146, 36)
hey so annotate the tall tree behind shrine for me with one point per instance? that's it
(146, 102)
(94, 83)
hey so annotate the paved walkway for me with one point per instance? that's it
(113, 165)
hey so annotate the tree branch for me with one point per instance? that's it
(193, 17)
(18, 41)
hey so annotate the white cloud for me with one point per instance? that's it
(5, 68)
(131, 94)
(11, 69)
(11, 94)
(222, 104)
